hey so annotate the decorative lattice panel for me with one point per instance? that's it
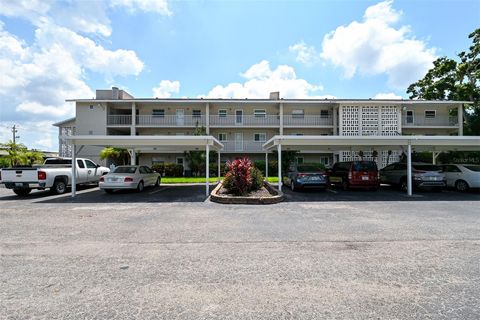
(382, 159)
(65, 149)
(389, 121)
(369, 121)
(350, 125)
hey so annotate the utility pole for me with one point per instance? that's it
(14, 133)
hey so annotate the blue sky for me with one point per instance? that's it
(52, 50)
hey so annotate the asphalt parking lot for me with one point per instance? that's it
(138, 256)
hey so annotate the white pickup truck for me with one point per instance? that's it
(55, 174)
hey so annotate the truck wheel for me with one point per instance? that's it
(22, 192)
(59, 187)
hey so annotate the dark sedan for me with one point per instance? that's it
(306, 175)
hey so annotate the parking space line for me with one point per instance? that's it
(331, 190)
(53, 197)
(158, 190)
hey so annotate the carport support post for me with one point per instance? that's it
(74, 170)
(409, 169)
(266, 166)
(207, 173)
(279, 165)
(218, 167)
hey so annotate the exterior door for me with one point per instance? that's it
(92, 171)
(239, 117)
(238, 141)
(180, 117)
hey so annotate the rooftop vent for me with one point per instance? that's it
(275, 95)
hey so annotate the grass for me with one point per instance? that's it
(170, 180)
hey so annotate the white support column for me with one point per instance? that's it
(207, 173)
(334, 120)
(435, 156)
(74, 171)
(133, 127)
(409, 169)
(266, 166)
(281, 119)
(133, 157)
(279, 148)
(207, 118)
(218, 165)
(460, 120)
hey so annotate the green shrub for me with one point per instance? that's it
(168, 169)
(272, 167)
(257, 179)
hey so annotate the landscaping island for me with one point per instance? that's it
(244, 184)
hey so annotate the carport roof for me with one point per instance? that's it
(159, 143)
(355, 143)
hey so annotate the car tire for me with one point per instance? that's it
(109, 191)
(292, 186)
(59, 187)
(345, 185)
(461, 185)
(403, 185)
(157, 183)
(22, 192)
(140, 186)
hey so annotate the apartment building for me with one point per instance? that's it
(244, 125)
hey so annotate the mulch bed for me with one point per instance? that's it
(263, 192)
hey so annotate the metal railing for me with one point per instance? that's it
(245, 120)
(290, 120)
(242, 146)
(171, 121)
(119, 120)
(422, 121)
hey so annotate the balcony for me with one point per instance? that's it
(119, 120)
(447, 121)
(170, 121)
(308, 121)
(242, 146)
(244, 120)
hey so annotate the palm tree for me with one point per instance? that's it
(119, 156)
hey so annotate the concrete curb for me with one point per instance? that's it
(277, 196)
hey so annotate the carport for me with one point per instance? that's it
(160, 144)
(366, 143)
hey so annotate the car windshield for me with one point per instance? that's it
(309, 168)
(473, 168)
(427, 167)
(364, 166)
(126, 169)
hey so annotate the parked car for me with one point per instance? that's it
(355, 174)
(306, 175)
(129, 177)
(462, 176)
(424, 175)
(55, 174)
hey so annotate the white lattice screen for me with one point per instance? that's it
(65, 150)
(370, 121)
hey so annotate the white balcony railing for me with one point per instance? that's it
(171, 121)
(242, 146)
(290, 120)
(119, 120)
(450, 121)
(245, 120)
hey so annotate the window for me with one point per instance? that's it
(325, 160)
(125, 169)
(90, 164)
(157, 161)
(180, 161)
(91, 107)
(299, 160)
(142, 170)
(222, 113)
(430, 114)
(451, 168)
(409, 116)
(179, 133)
(259, 113)
(80, 164)
(324, 114)
(297, 134)
(222, 137)
(259, 137)
(90, 132)
(298, 113)
(158, 113)
(197, 113)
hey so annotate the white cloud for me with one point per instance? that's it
(375, 46)
(261, 80)
(304, 54)
(165, 89)
(157, 6)
(388, 96)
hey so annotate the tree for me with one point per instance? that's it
(31, 157)
(451, 79)
(196, 159)
(119, 156)
(15, 152)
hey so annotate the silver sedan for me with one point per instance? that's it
(129, 177)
